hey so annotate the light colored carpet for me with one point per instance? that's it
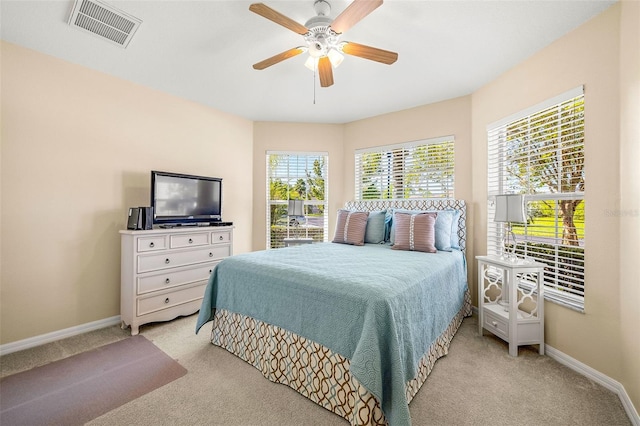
(74, 390)
(478, 383)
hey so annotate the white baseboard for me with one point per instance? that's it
(598, 377)
(57, 335)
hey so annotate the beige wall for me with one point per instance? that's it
(297, 137)
(77, 150)
(589, 55)
(630, 197)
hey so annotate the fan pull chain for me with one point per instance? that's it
(314, 84)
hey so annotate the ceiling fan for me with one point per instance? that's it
(322, 37)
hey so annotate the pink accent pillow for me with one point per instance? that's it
(415, 232)
(351, 227)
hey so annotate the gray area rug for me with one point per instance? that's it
(79, 388)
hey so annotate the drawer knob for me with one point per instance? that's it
(221, 238)
(495, 323)
(210, 254)
(166, 300)
(167, 261)
(167, 281)
(190, 241)
(152, 244)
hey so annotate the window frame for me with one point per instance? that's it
(308, 202)
(566, 265)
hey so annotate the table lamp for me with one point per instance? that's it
(509, 209)
(294, 208)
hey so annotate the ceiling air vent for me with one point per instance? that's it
(103, 20)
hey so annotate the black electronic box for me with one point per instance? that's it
(140, 218)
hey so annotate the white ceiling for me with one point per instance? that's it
(203, 51)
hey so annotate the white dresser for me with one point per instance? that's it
(164, 271)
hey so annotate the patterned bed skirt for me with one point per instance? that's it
(313, 370)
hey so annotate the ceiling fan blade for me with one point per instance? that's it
(278, 58)
(326, 73)
(353, 14)
(371, 53)
(277, 17)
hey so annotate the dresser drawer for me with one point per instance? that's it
(189, 240)
(163, 301)
(171, 278)
(152, 243)
(496, 324)
(220, 237)
(171, 259)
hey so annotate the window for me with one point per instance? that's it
(296, 176)
(540, 153)
(420, 169)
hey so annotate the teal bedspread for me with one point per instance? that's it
(378, 307)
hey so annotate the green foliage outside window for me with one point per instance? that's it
(415, 170)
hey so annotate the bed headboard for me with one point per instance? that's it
(418, 204)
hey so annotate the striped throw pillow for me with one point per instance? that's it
(351, 227)
(415, 232)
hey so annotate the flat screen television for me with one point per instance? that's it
(182, 199)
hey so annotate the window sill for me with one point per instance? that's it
(561, 298)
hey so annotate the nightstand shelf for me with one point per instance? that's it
(520, 320)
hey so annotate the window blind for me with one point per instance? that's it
(296, 176)
(419, 169)
(540, 154)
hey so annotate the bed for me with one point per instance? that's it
(356, 329)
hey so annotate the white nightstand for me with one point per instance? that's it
(521, 320)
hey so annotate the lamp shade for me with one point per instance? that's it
(295, 208)
(510, 208)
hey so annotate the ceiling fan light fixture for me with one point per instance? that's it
(335, 57)
(322, 38)
(311, 63)
(317, 48)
